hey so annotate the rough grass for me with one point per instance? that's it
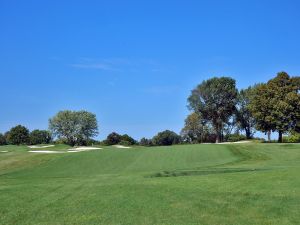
(186, 185)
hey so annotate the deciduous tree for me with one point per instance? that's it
(194, 129)
(244, 117)
(166, 137)
(75, 126)
(215, 101)
(276, 104)
(40, 137)
(18, 135)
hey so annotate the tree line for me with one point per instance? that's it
(218, 108)
(219, 112)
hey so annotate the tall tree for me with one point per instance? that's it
(244, 117)
(261, 108)
(75, 126)
(285, 100)
(215, 101)
(276, 105)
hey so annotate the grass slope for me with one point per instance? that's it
(186, 185)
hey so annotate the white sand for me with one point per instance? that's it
(4, 151)
(71, 150)
(43, 151)
(237, 142)
(121, 146)
(41, 146)
(80, 149)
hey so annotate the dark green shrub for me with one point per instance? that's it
(145, 142)
(292, 138)
(128, 139)
(236, 137)
(18, 135)
(40, 137)
(166, 137)
(2, 139)
(113, 139)
(125, 143)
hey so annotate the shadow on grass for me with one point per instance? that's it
(202, 172)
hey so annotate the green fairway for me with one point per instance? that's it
(184, 184)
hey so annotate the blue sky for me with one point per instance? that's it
(134, 63)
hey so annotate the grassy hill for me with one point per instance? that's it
(186, 185)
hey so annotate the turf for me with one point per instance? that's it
(185, 184)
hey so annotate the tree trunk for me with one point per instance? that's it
(279, 136)
(218, 138)
(248, 133)
(269, 136)
(219, 131)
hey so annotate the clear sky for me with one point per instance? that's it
(134, 63)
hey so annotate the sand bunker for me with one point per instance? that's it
(121, 146)
(80, 149)
(71, 150)
(4, 151)
(40, 146)
(237, 142)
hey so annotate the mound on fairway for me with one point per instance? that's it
(121, 146)
(44, 151)
(176, 185)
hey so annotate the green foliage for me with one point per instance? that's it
(276, 105)
(292, 138)
(6, 135)
(18, 135)
(2, 139)
(215, 101)
(113, 139)
(125, 143)
(127, 139)
(194, 129)
(40, 137)
(244, 117)
(145, 142)
(77, 127)
(261, 108)
(166, 137)
(235, 137)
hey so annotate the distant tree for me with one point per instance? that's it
(6, 135)
(215, 101)
(146, 142)
(194, 129)
(276, 105)
(166, 137)
(260, 106)
(127, 139)
(113, 138)
(18, 135)
(286, 102)
(2, 139)
(40, 137)
(77, 127)
(244, 117)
